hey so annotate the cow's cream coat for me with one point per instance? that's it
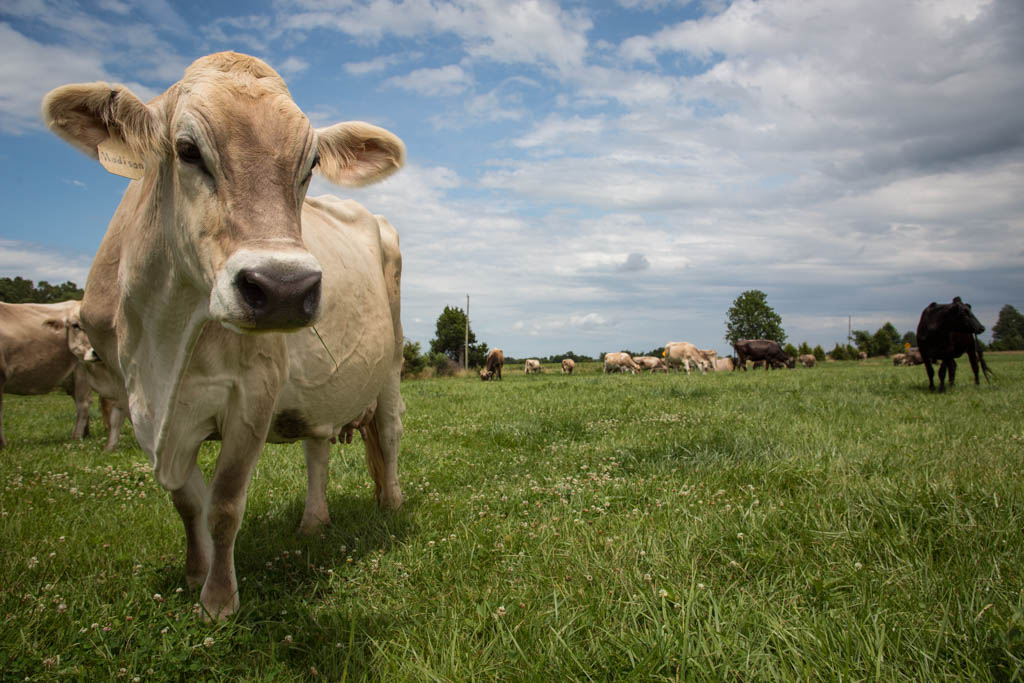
(681, 354)
(35, 358)
(228, 157)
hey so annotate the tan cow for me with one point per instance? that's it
(651, 363)
(807, 360)
(724, 364)
(492, 365)
(532, 367)
(681, 354)
(214, 269)
(99, 377)
(35, 358)
(620, 361)
(568, 366)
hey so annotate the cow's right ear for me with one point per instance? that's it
(85, 115)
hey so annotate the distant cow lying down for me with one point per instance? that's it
(651, 363)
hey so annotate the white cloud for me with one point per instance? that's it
(378, 64)
(292, 66)
(37, 262)
(447, 80)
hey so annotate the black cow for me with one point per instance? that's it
(944, 333)
(762, 349)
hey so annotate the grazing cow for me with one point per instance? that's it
(725, 364)
(651, 363)
(710, 356)
(532, 367)
(863, 355)
(944, 333)
(215, 269)
(899, 359)
(762, 350)
(807, 360)
(492, 365)
(568, 366)
(99, 376)
(35, 358)
(620, 361)
(681, 354)
(913, 357)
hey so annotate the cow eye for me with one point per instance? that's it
(189, 153)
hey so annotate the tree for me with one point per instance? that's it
(884, 341)
(1008, 332)
(415, 361)
(21, 291)
(750, 317)
(451, 337)
(819, 353)
(908, 338)
(862, 340)
(804, 349)
(791, 350)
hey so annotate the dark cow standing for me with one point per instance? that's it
(762, 350)
(944, 333)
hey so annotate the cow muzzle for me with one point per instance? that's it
(256, 292)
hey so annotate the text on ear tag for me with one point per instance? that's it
(115, 156)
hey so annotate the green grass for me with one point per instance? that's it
(839, 523)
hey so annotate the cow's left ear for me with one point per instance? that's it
(354, 153)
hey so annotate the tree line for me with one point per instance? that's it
(749, 317)
(18, 290)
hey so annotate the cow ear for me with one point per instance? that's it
(56, 324)
(86, 114)
(356, 153)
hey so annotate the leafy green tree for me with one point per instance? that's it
(451, 336)
(791, 350)
(884, 341)
(908, 338)
(21, 291)
(1008, 332)
(819, 353)
(750, 317)
(415, 361)
(862, 340)
(804, 349)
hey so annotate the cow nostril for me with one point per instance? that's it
(311, 301)
(252, 292)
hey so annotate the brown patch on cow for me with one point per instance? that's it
(290, 424)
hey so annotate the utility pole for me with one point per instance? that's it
(849, 334)
(465, 344)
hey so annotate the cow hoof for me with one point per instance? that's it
(391, 500)
(218, 609)
(311, 525)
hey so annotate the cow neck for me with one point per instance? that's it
(161, 318)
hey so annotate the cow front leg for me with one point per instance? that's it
(82, 393)
(382, 438)
(952, 372)
(115, 422)
(315, 515)
(190, 502)
(3, 441)
(225, 509)
(942, 376)
(931, 373)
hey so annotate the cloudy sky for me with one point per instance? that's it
(597, 175)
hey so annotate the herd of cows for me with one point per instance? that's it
(215, 252)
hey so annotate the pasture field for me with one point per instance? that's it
(837, 523)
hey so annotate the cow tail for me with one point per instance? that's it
(981, 359)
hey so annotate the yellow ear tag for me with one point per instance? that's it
(115, 156)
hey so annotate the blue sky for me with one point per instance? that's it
(597, 175)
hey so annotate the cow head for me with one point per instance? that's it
(960, 318)
(228, 159)
(70, 325)
(485, 375)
